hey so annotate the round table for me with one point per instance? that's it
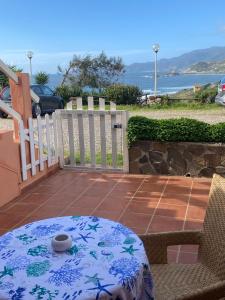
(106, 261)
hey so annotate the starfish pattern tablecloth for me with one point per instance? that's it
(106, 261)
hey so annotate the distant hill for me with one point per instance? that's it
(182, 62)
(207, 67)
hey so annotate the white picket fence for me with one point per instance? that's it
(76, 138)
(93, 139)
(38, 144)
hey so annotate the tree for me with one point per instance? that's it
(4, 81)
(41, 78)
(94, 72)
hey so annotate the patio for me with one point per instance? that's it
(143, 203)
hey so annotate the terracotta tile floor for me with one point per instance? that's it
(144, 203)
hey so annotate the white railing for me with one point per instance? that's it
(7, 109)
(94, 139)
(41, 138)
(43, 144)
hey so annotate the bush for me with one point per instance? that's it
(141, 128)
(123, 94)
(183, 130)
(207, 95)
(66, 91)
(41, 78)
(218, 132)
(174, 130)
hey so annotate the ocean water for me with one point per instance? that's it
(166, 84)
(169, 84)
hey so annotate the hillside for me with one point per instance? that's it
(207, 67)
(182, 62)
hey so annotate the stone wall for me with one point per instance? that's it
(167, 158)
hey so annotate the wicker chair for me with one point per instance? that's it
(205, 279)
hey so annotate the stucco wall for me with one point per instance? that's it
(11, 184)
(196, 159)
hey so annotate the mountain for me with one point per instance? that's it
(217, 67)
(182, 62)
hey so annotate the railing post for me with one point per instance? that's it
(21, 99)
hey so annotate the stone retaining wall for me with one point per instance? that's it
(167, 158)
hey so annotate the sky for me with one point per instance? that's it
(55, 30)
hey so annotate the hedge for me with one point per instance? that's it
(174, 130)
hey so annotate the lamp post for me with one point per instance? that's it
(30, 56)
(155, 48)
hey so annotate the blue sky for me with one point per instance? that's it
(55, 30)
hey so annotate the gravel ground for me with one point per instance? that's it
(209, 116)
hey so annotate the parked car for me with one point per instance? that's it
(48, 103)
(220, 98)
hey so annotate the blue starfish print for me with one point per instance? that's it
(94, 254)
(84, 237)
(129, 250)
(101, 288)
(94, 227)
(94, 279)
(6, 271)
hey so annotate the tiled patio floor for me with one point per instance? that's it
(143, 203)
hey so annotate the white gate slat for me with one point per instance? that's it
(81, 137)
(91, 121)
(90, 103)
(79, 103)
(125, 117)
(60, 137)
(101, 104)
(48, 138)
(69, 105)
(103, 139)
(55, 136)
(71, 139)
(40, 142)
(102, 131)
(112, 106)
(23, 150)
(114, 139)
(32, 147)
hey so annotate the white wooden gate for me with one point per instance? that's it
(93, 139)
(38, 144)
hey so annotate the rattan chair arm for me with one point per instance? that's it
(156, 243)
(213, 292)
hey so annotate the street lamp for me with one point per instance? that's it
(30, 56)
(155, 48)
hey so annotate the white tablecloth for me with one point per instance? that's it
(106, 261)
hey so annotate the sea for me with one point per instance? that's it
(167, 84)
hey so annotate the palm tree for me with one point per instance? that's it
(41, 78)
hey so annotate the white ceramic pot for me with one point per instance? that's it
(61, 242)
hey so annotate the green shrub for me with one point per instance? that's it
(66, 91)
(218, 132)
(174, 130)
(183, 130)
(123, 94)
(141, 128)
(207, 95)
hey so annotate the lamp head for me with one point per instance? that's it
(156, 48)
(30, 54)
